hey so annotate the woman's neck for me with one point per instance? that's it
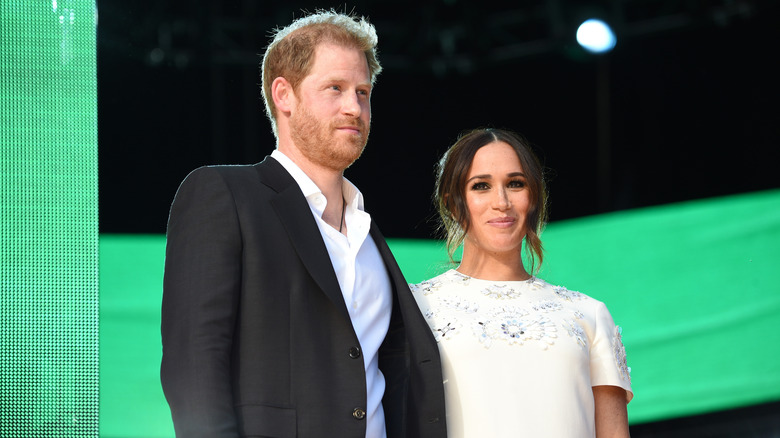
(493, 266)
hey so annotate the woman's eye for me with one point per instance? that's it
(480, 186)
(517, 184)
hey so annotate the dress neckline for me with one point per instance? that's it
(456, 273)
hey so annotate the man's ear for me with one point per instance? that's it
(282, 94)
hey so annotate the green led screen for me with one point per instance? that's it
(48, 202)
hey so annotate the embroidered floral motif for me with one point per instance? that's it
(459, 278)
(536, 283)
(547, 306)
(566, 294)
(576, 331)
(427, 287)
(619, 351)
(446, 330)
(516, 327)
(460, 304)
(443, 324)
(500, 291)
(513, 328)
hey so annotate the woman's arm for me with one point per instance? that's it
(611, 413)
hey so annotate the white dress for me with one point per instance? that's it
(520, 358)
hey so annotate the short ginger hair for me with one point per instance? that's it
(291, 52)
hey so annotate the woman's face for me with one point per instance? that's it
(497, 199)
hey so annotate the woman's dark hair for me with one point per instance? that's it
(450, 196)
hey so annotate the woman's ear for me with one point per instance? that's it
(282, 94)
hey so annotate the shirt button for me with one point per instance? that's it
(358, 414)
(354, 353)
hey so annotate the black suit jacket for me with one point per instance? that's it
(257, 340)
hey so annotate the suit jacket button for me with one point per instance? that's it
(359, 414)
(354, 352)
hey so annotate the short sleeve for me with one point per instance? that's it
(608, 364)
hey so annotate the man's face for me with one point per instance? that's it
(332, 116)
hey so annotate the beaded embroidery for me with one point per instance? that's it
(460, 304)
(446, 330)
(619, 351)
(576, 331)
(516, 327)
(500, 291)
(566, 294)
(427, 287)
(460, 278)
(443, 331)
(547, 306)
(536, 283)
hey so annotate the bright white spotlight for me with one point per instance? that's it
(595, 36)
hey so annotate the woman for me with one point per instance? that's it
(520, 357)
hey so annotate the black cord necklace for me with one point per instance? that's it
(343, 209)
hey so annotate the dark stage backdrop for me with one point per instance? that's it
(683, 108)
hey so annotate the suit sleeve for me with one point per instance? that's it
(201, 290)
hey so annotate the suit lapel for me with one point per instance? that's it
(297, 219)
(393, 269)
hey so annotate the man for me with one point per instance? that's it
(284, 313)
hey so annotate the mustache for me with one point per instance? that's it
(350, 123)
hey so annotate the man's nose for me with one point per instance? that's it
(350, 104)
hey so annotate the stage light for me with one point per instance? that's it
(596, 36)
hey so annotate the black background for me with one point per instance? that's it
(684, 107)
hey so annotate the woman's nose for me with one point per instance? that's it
(502, 201)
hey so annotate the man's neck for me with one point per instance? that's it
(329, 181)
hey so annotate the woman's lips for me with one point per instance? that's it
(503, 222)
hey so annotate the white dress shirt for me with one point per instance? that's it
(362, 277)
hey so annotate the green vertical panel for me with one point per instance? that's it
(48, 203)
